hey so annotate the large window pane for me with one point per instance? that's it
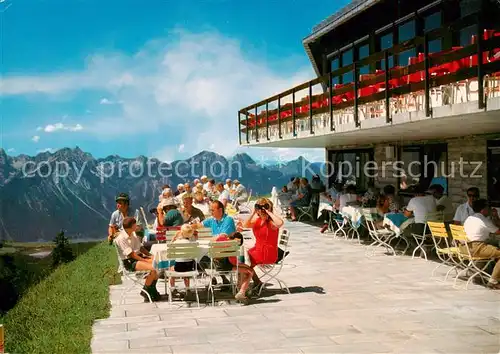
(334, 66)
(386, 42)
(347, 59)
(466, 35)
(432, 22)
(404, 57)
(494, 172)
(406, 31)
(363, 52)
(468, 7)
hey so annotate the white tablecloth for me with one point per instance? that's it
(355, 213)
(158, 250)
(324, 206)
(388, 222)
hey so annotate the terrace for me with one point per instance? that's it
(443, 94)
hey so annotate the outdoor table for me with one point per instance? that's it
(397, 222)
(325, 206)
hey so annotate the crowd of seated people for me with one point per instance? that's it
(179, 210)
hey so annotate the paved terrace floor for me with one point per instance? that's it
(341, 302)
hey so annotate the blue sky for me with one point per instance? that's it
(158, 78)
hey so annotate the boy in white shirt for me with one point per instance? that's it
(419, 207)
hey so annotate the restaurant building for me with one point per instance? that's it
(407, 93)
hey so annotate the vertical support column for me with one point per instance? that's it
(239, 127)
(267, 120)
(480, 70)
(388, 118)
(311, 130)
(427, 77)
(279, 118)
(356, 104)
(330, 100)
(293, 114)
(256, 126)
(248, 127)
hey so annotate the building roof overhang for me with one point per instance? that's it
(341, 16)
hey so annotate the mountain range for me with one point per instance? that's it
(71, 190)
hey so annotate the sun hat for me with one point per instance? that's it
(122, 197)
(169, 202)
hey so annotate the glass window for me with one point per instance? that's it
(334, 66)
(423, 165)
(386, 42)
(348, 167)
(432, 22)
(347, 59)
(466, 35)
(406, 31)
(404, 57)
(363, 52)
(468, 7)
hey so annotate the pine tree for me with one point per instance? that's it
(62, 252)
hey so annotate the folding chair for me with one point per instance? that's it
(446, 253)
(306, 211)
(182, 251)
(380, 237)
(467, 261)
(218, 250)
(271, 271)
(420, 239)
(137, 278)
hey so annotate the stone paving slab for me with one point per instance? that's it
(342, 301)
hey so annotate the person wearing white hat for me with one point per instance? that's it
(168, 215)
(229, 185)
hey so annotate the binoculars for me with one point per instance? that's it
(261, 207)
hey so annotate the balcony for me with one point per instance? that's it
(437, 95)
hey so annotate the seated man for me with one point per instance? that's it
(419, 207)
(478, 228)
(223, 194)
(443, 203)
(465, 210)
(189, 212)
(240, 194)
(136, 258)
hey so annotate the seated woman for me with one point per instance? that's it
(390, 192)
(383, 204)
(200, 202)
(303, 197)
(265, 225)
(168, 215)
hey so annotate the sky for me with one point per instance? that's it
(159, 78)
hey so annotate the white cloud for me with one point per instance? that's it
(181, 148)
(51, 128)
(186, 82)
(105, 101)
(35, 138)
(46, 150)
(11, 150)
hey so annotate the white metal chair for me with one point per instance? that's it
(245, 205)
(137, 278)
(305, 211)
(219, 250)
(271, 271)
(182, 251)
(420, 239)
(380, 237)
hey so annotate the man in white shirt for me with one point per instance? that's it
(478, 229)
(229, 185)
(223, 194)
(443, 203)
(465, 210)
(419, 207)
(136, 258)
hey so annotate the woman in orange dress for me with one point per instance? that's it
(265, 226)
